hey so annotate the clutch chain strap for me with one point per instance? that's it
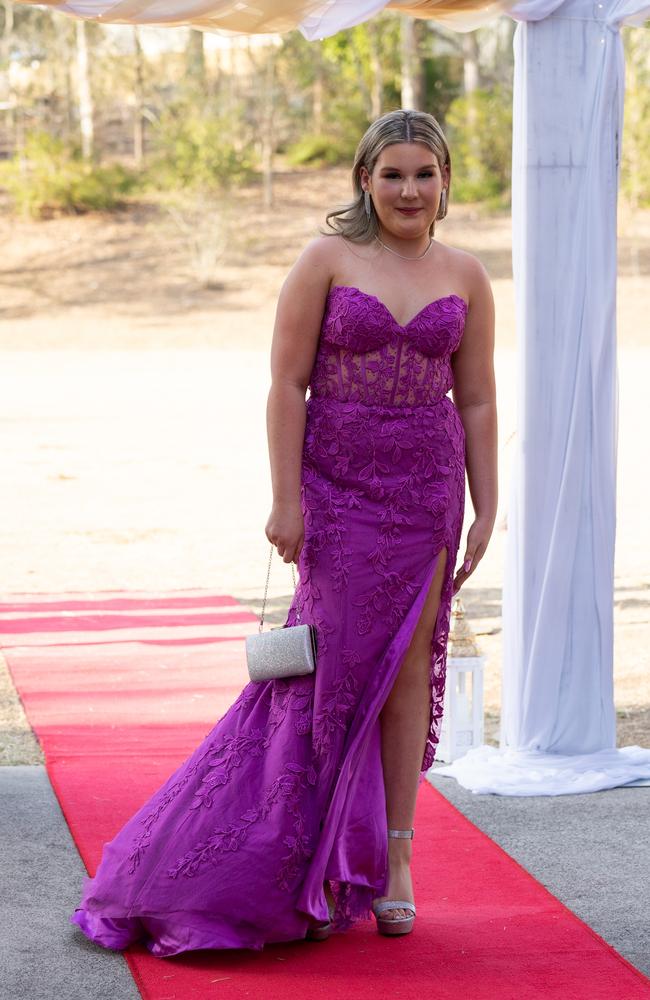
(266, 587)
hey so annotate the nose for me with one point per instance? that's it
(408, 188)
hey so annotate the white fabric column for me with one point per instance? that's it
(558, 720)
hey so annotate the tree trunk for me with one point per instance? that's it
(7, 32)
(195, 57)
(633, 135)
(138, 94)
(229, 76)
(6, 92)
(503, 69)
(84, 92)
(317, 93)
(471, 67)
(377, 83)
(407, 60)
(472, 80)
(65, 46)
(268, 132)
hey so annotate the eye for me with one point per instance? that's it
(423, 173)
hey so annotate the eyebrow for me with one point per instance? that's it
(426, 166)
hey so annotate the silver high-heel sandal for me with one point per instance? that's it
(395, 925)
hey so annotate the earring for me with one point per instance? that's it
(366, 201)
(443, 201)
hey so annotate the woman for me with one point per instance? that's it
(294, 816)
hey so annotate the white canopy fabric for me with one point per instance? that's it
(463, 16)
(459, 15)
(314, 18)
(558, 721)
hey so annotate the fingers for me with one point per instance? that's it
(462, 575)
(472, 558)
(289, 554)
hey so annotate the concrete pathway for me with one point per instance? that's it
(42, 956)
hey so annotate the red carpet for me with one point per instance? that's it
(121, 687)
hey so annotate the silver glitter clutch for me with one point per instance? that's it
(286, 651)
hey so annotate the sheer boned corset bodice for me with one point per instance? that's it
(365, 356)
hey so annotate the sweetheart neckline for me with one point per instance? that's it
(369, 295)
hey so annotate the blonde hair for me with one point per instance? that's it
(351, 221)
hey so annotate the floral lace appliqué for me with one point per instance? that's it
(218, 760)
(287, 788)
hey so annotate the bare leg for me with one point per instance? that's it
(404, 726)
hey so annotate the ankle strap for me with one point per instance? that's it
(407, 834)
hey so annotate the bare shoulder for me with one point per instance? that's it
(320, 254)
(337, 255)
(307, 282)
(473, 275)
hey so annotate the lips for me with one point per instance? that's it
(408, 211)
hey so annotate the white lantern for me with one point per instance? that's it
(462, 722)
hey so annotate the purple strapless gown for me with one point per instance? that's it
(287, 789)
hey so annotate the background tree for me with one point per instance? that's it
(138, 99)
(634, 145)
(408, 62)
(84, 91)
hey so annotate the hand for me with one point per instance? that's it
(285, 528)
(478, 537)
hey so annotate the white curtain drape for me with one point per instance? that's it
(558, 730)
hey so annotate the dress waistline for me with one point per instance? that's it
(359, 404)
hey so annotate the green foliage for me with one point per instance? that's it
(635, 144)
(320, 151)
(50, 177)
(442, 83)
(357, 70)
(479, 132)
(199, 149)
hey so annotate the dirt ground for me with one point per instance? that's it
(133, 378)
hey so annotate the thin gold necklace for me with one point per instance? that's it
(401, 254)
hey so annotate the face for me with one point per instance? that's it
(407, 175)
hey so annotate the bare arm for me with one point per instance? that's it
(474, 395)
(298, 320)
